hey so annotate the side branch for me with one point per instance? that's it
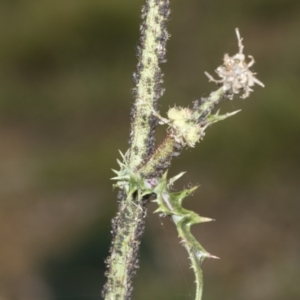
(186, 127)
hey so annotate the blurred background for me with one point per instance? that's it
(65, 97)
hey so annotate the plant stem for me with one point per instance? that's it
(128, 225)
(148, 79)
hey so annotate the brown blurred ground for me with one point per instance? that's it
(65, 96)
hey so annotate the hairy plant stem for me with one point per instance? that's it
(148, 79)
(128, 225)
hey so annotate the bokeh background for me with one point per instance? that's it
(65, 97)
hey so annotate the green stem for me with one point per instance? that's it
(170, 203)
(192, 246)
(198, 274)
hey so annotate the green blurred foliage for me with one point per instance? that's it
(65, 97)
